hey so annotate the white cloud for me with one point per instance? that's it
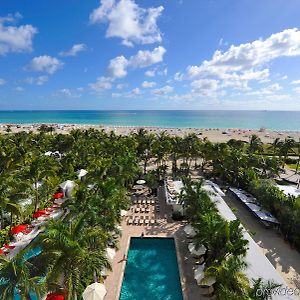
(297, 90)
(205, 87)
(102, 83)
(163, 91)
(145, 58)
(74, 50)
(15, 38)
(117, 67)
(67, 93)
(120, 86)
(250, 55)
(128, 21)
(134, 93)
(19, 89)
(269, 90)
(40, 80)
(45, 63)
(148, 84)
(2, 81)
(150, 73)
(178, 76)
(164, 72)
(296, 82)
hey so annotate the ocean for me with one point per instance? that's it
(274, 120)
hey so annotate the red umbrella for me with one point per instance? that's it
(2, 252)
(19, 228)
(40, 213)
(55, 297)
(7, 246)
(58, 195)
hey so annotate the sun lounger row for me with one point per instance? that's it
(141, 221)
(143, 201)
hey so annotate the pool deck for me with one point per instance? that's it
(165, 227)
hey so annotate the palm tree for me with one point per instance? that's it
(230, 278)
(75, 253)
(16, 276)
(255, 144)
(262, 290)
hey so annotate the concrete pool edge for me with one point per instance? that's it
(180, 269)
(178, 258)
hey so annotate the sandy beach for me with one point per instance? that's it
(212, 134)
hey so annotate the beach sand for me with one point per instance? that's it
(212, 134)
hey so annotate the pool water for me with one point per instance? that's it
(151, 271)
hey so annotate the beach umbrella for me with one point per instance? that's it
(58, 195)
(2, 252)
(48, 153)
(141, 181)
(36, 185)
(55, 297)
(199, 273)
(19, 228)
(197, 252)
(81, 173)
(189, 230)
(138, 187)
(67, 184)
(110, 253)
(7, 246)
(123, 213)
(95, 291)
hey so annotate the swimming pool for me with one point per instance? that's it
(151, 271)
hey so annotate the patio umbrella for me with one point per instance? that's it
(19, 228)
(95, 291)
(36, 185)
(199, 273)
(123, 213)
(141, 181)
(58, 195)
(55, 297)
(81, 173)
(110, 253)
(7, 246)
(197, 252)
(189, 230)
(67, 184)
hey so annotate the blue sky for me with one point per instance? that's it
(126, 54)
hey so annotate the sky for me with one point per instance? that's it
(130, 54)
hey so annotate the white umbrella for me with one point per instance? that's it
(95, 291)
(123, 212)
(48, 153)
(199, 273)
(37, 184)
(67, 184)
(81, 173)
(208, 281)
(197, 252)
(110, 253)
(141, 181)
(189, 230)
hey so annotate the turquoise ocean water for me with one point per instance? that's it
(275, 120)
(151, 271)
